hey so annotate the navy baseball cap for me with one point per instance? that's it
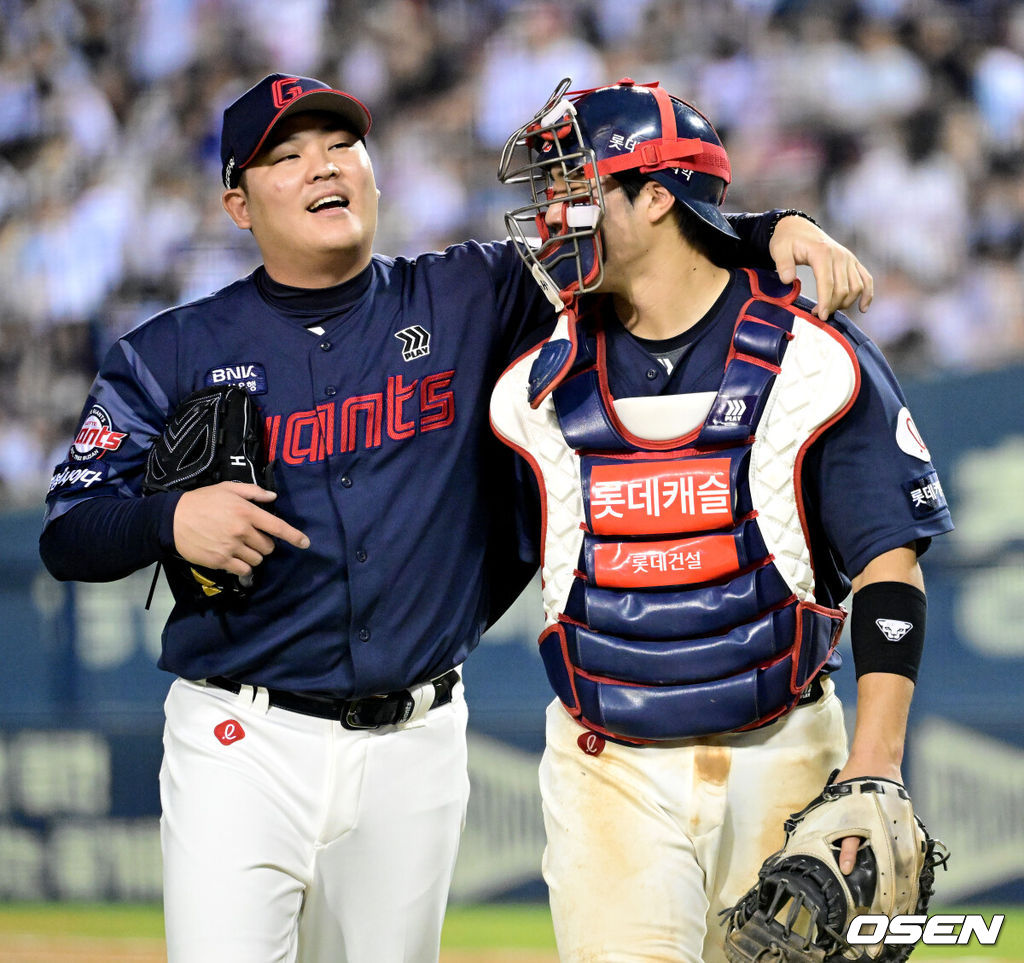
(249, 120)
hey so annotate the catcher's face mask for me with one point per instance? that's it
(548, 155)
(580, 137)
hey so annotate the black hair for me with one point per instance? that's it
(703, 238)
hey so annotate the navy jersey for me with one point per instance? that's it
(378, 431)
(868, 482)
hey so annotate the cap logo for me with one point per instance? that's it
(285, 90)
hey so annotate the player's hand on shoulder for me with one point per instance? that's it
(223, 526)
(841, 280)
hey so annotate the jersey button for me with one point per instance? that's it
(326, 346)
(346, 482)
(361, 556)
(330, 391)
(364, 635)
(652, 373)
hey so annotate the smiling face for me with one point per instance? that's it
(310, 199)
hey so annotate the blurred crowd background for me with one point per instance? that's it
(899, 124)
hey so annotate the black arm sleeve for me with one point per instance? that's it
(755, 231)
(103, 539)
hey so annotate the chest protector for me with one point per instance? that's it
(677, 573)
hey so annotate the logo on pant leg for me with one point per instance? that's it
(229, 731)
(591, 743)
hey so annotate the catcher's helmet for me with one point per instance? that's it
(585, 135)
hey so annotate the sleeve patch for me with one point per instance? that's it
(67, 477)
(908, 436)
(926, 495)
(96, 436)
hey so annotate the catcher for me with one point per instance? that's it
(716, 466)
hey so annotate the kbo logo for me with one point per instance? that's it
(939, 930)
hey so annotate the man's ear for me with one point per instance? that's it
(660, 200)
(237, 205)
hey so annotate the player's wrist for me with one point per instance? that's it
(775, 217)
(879, 762)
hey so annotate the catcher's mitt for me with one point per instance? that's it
(214, 435)
(802, 905)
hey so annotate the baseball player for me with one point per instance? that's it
(314, 780)
(716, 466)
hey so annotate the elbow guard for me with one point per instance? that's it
(887, 628)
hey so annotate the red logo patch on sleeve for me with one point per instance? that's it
(229, 731)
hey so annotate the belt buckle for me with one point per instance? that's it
(351, 719)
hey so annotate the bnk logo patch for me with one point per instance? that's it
(248, 375)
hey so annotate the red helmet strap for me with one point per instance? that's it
(654, 155)
(668, 115)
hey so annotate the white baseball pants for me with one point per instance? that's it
(646, 845)
(289, 839)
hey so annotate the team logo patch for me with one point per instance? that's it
(732, 412)
(909, 438)
(894, 629)
(96, 436)
(415, 342)
(64, 476)
(591, 743)
(735, 408)
(229, 731)
(248, 375)
(926, 495)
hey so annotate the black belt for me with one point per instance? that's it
(370, 712)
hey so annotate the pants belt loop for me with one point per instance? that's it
(246, 695)
(261, 702)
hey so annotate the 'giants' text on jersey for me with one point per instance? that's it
(402, 410)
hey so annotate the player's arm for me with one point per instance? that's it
(105, 538)
(890, 589)
(784, 240)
